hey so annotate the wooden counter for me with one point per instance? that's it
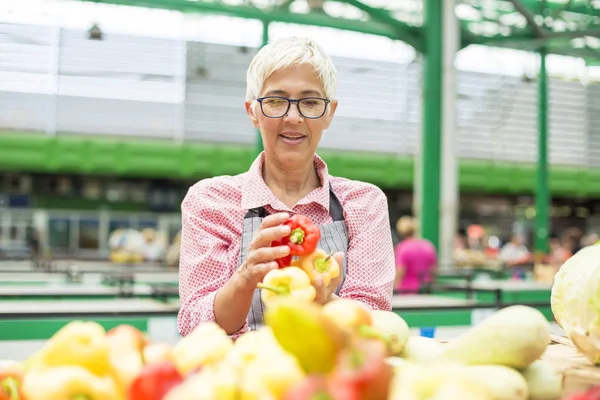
(578, 373)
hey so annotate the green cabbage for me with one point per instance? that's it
(575, 301)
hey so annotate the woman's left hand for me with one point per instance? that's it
(325, 293)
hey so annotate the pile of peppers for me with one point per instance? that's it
(304, 264)
(83, 361)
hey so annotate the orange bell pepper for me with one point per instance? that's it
(11, 374)
(319, 264)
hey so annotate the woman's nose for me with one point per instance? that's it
(293, 114)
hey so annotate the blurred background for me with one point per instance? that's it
(111, 109)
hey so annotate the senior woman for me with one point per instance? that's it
(229, 222)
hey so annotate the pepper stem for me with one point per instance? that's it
(297, 236)
(81, 397)
(322, 264)
(10, 386)
(322, 395)
(368, 332)
(357, 359)
(281, 290)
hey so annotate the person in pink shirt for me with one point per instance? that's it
(415, 258)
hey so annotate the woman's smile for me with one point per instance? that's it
(292, 138)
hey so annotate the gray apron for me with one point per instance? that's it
(334, 238)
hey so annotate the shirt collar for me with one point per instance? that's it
(256, 193)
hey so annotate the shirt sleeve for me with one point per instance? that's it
(204, 265)
(370, 258)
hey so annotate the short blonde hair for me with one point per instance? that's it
(285, 53)
(406, 226)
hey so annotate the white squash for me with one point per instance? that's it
(544, 381)
(392, 328)
(502, 383)
(515, 336)
(422, 349)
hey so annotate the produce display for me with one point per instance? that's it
(341, 350)
(306, 351)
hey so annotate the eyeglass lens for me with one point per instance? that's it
(309, 107)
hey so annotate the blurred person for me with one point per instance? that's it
(460, 252)
(575, 242)
(515, 252)
(34, 244)
(172, 257)
(559, 252)
(415, 258)
(230, 222)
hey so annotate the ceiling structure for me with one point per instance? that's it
(564, 27)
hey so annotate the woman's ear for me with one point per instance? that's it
(330, 113)
(250, 107)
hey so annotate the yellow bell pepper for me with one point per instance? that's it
(76, 344)
(319, 264)
(125, 346)
(215, 381)
(68, 383)
(251, 345)
(207, 344)
(272, 372)
(289, 281)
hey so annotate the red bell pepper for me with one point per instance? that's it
(591, 394)
(283, 261)
(155, 381)
(311, 388)
(362, 372)
(318, 387)
(304, 236)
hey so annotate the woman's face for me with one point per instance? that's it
(292, 139)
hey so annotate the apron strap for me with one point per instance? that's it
(335, 209)
(259, 212)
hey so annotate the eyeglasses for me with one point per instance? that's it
(308, 107)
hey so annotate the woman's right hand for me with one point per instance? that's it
(261, 256)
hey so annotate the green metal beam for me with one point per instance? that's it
(542, 195)
(556, 7)
(530, 17)
(558, 43)
(554, 40)
(84, 154)
(410, 35)
(590, 55)
(431, 154)
(273, 15)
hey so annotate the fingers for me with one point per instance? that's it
(253, 274)
(266, 254)
(335, 282)
(260, 270)
(266, 236)
(339, 257)
(321, 290)
(274, 220)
